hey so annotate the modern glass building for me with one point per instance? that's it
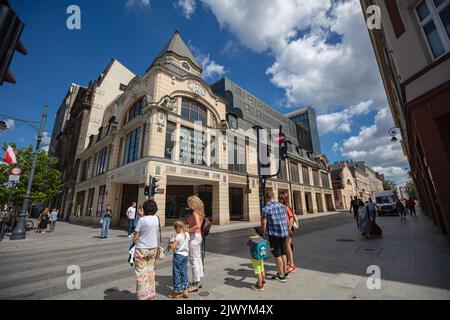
(307, 132)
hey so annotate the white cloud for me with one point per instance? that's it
(137, 3)
(211, 69)
(341, 121)
(310, 68)
(335, 147)
(187, 7)
(46, 137)
(374, 146)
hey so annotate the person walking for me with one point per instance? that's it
(372, 209)
(354, 206)
(363, 219)
(179, 243)
(53, 219)
(401, 210)
(43, 221)
(195, 221)
(274, 223)
(146, 240)
(258, 252)
(131, 215)
(411, 206)
(289, 245)
(106, 221)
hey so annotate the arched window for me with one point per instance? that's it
(136, 109)
(193, 111)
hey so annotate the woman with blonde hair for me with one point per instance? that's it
(195, 221)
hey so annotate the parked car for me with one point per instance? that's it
(385, 201)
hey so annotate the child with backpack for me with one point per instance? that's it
(259, 251)
(179, 243)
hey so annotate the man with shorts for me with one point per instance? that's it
(275, 226)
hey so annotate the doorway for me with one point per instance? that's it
(236, 198)
(308, 200)
(176, 201)
(130, 193)
(205, 193)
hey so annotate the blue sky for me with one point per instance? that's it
(289, 60)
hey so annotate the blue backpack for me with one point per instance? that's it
(258, 248)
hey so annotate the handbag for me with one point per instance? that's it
(131, 254)
(160, 251)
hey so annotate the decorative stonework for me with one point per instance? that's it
(160, 121)
(196, 88)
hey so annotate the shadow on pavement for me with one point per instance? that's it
(116, 294)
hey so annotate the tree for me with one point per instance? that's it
(46, 181)
(410, 189)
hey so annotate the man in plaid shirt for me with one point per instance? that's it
(275, 225)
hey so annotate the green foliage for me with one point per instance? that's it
(410, 189)
(46, 181)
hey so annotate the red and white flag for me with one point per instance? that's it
(10, 155)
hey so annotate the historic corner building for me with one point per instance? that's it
(418, 90)
(148, 129)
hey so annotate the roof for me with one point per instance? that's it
(297, 112)
(176, 45)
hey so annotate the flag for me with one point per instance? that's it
(10, 155)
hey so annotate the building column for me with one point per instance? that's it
(253, 202)
(324, 202)
(314, 202)
(221, 210)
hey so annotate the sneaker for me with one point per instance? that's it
(279, 278)
(130, 235)
(259, 288)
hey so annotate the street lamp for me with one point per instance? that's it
(393, 132)
(20, 231)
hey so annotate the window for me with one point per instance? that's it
(315, 178)
(119, 156)
(132, 146)
(101, 199)
(192, 146)
(85, 169)
(94, 166)
(237, 155)
(185, 66)
(90, 202)
(170, 140)
(232, 122)
(193, 111)
(102, 161)
(144, 129)
(282, 175)
(434, 20)
(79, 202)
(295, 178)
(325, 182)
(305, 175)
(213, 149)
(122, 87)
(136, 109)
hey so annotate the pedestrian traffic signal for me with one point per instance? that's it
(282, 144)
(153, 186)
(146, 190)
(10, 31)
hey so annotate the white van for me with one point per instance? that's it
(385, 201)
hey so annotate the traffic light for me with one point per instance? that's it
(146, 190)
(282, 145)
(153, 186)
(10, 31)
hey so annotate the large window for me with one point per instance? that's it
(101, 199)
(132, 146)
(325, 181)
(282, 175)
(295, 178)
(305, 176)
(102, 160)
(315, 178)
(170, 140)
(237, 155)
(136, 109)
(192, 146)
(193, 111)
(214, 152)
(90, 202)
(434, 20)
(79, 202)
(85, 169)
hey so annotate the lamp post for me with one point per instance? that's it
(20, 231)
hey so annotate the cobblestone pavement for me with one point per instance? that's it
(332, 260)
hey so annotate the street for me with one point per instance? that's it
(331, 257)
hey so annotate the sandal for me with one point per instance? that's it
(175, 295)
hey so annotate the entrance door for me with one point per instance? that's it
(308, 200)
(205, 193)
(236, 198)
(176, 201)
(130, 194)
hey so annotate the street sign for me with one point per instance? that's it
(14, 178)
(159, 191)
(15, 171)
